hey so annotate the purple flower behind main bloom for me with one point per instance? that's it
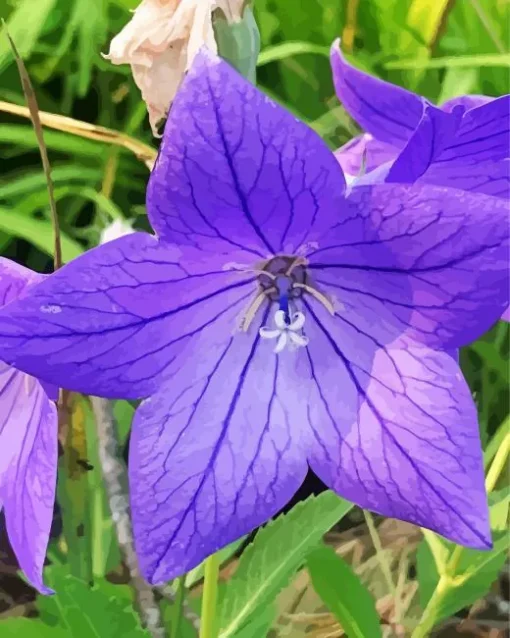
(463, 144)
(277, 323)
(28, 447)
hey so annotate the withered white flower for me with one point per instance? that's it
(160, 42)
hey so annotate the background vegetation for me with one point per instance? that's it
(439, 48)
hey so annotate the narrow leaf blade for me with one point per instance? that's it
(343, 593)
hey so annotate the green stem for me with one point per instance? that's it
(179, 600)
(447, 580)
(208, 620)
(428, 620)
(499, 464)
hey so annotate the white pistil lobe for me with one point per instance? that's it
(287, 334)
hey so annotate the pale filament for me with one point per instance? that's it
(253, 307)
(318, 295)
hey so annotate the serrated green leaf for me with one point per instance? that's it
(101, 611)
(277, 552)
(38, 232)
(343, 593)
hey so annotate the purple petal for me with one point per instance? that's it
(28, 468)
(466, 101)
(401, 437)
(350, 156)
(110, 322)
(235, 170)
(14, 279)
(506, 315)
(469, 151)
(425, 260)
(216, 452)
(388, 112)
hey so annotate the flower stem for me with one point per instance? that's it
(210, 597)
(179, 600)
(428, 620)
(447, 580)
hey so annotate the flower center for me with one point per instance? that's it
(283, 280)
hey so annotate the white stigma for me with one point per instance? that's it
(286, 334)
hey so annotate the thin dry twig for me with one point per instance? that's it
(33, 113)
(115, 480)
(143, 152)
(194, 619)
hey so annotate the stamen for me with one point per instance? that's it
(253, 308)
(298, 261)
(318, 295)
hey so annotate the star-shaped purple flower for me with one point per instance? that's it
(463, 144)
(28, 447)
(277, 323)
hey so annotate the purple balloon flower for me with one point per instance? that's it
(28, 447)
(463, 144)
(277, 323)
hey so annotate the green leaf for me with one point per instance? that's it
(105, 554)
(428, 576)
(25, 25)
(343, 593)
(23, 136)
(425, 18)
(277, 552)
(477, 571)
(501, 59)
(101, 611)
(259, 625)
(28, 628)
(287, 49)
(458, 82)
(495, 442)
(499, 505)
(29, 182)
(123, 412)
(38, 232)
